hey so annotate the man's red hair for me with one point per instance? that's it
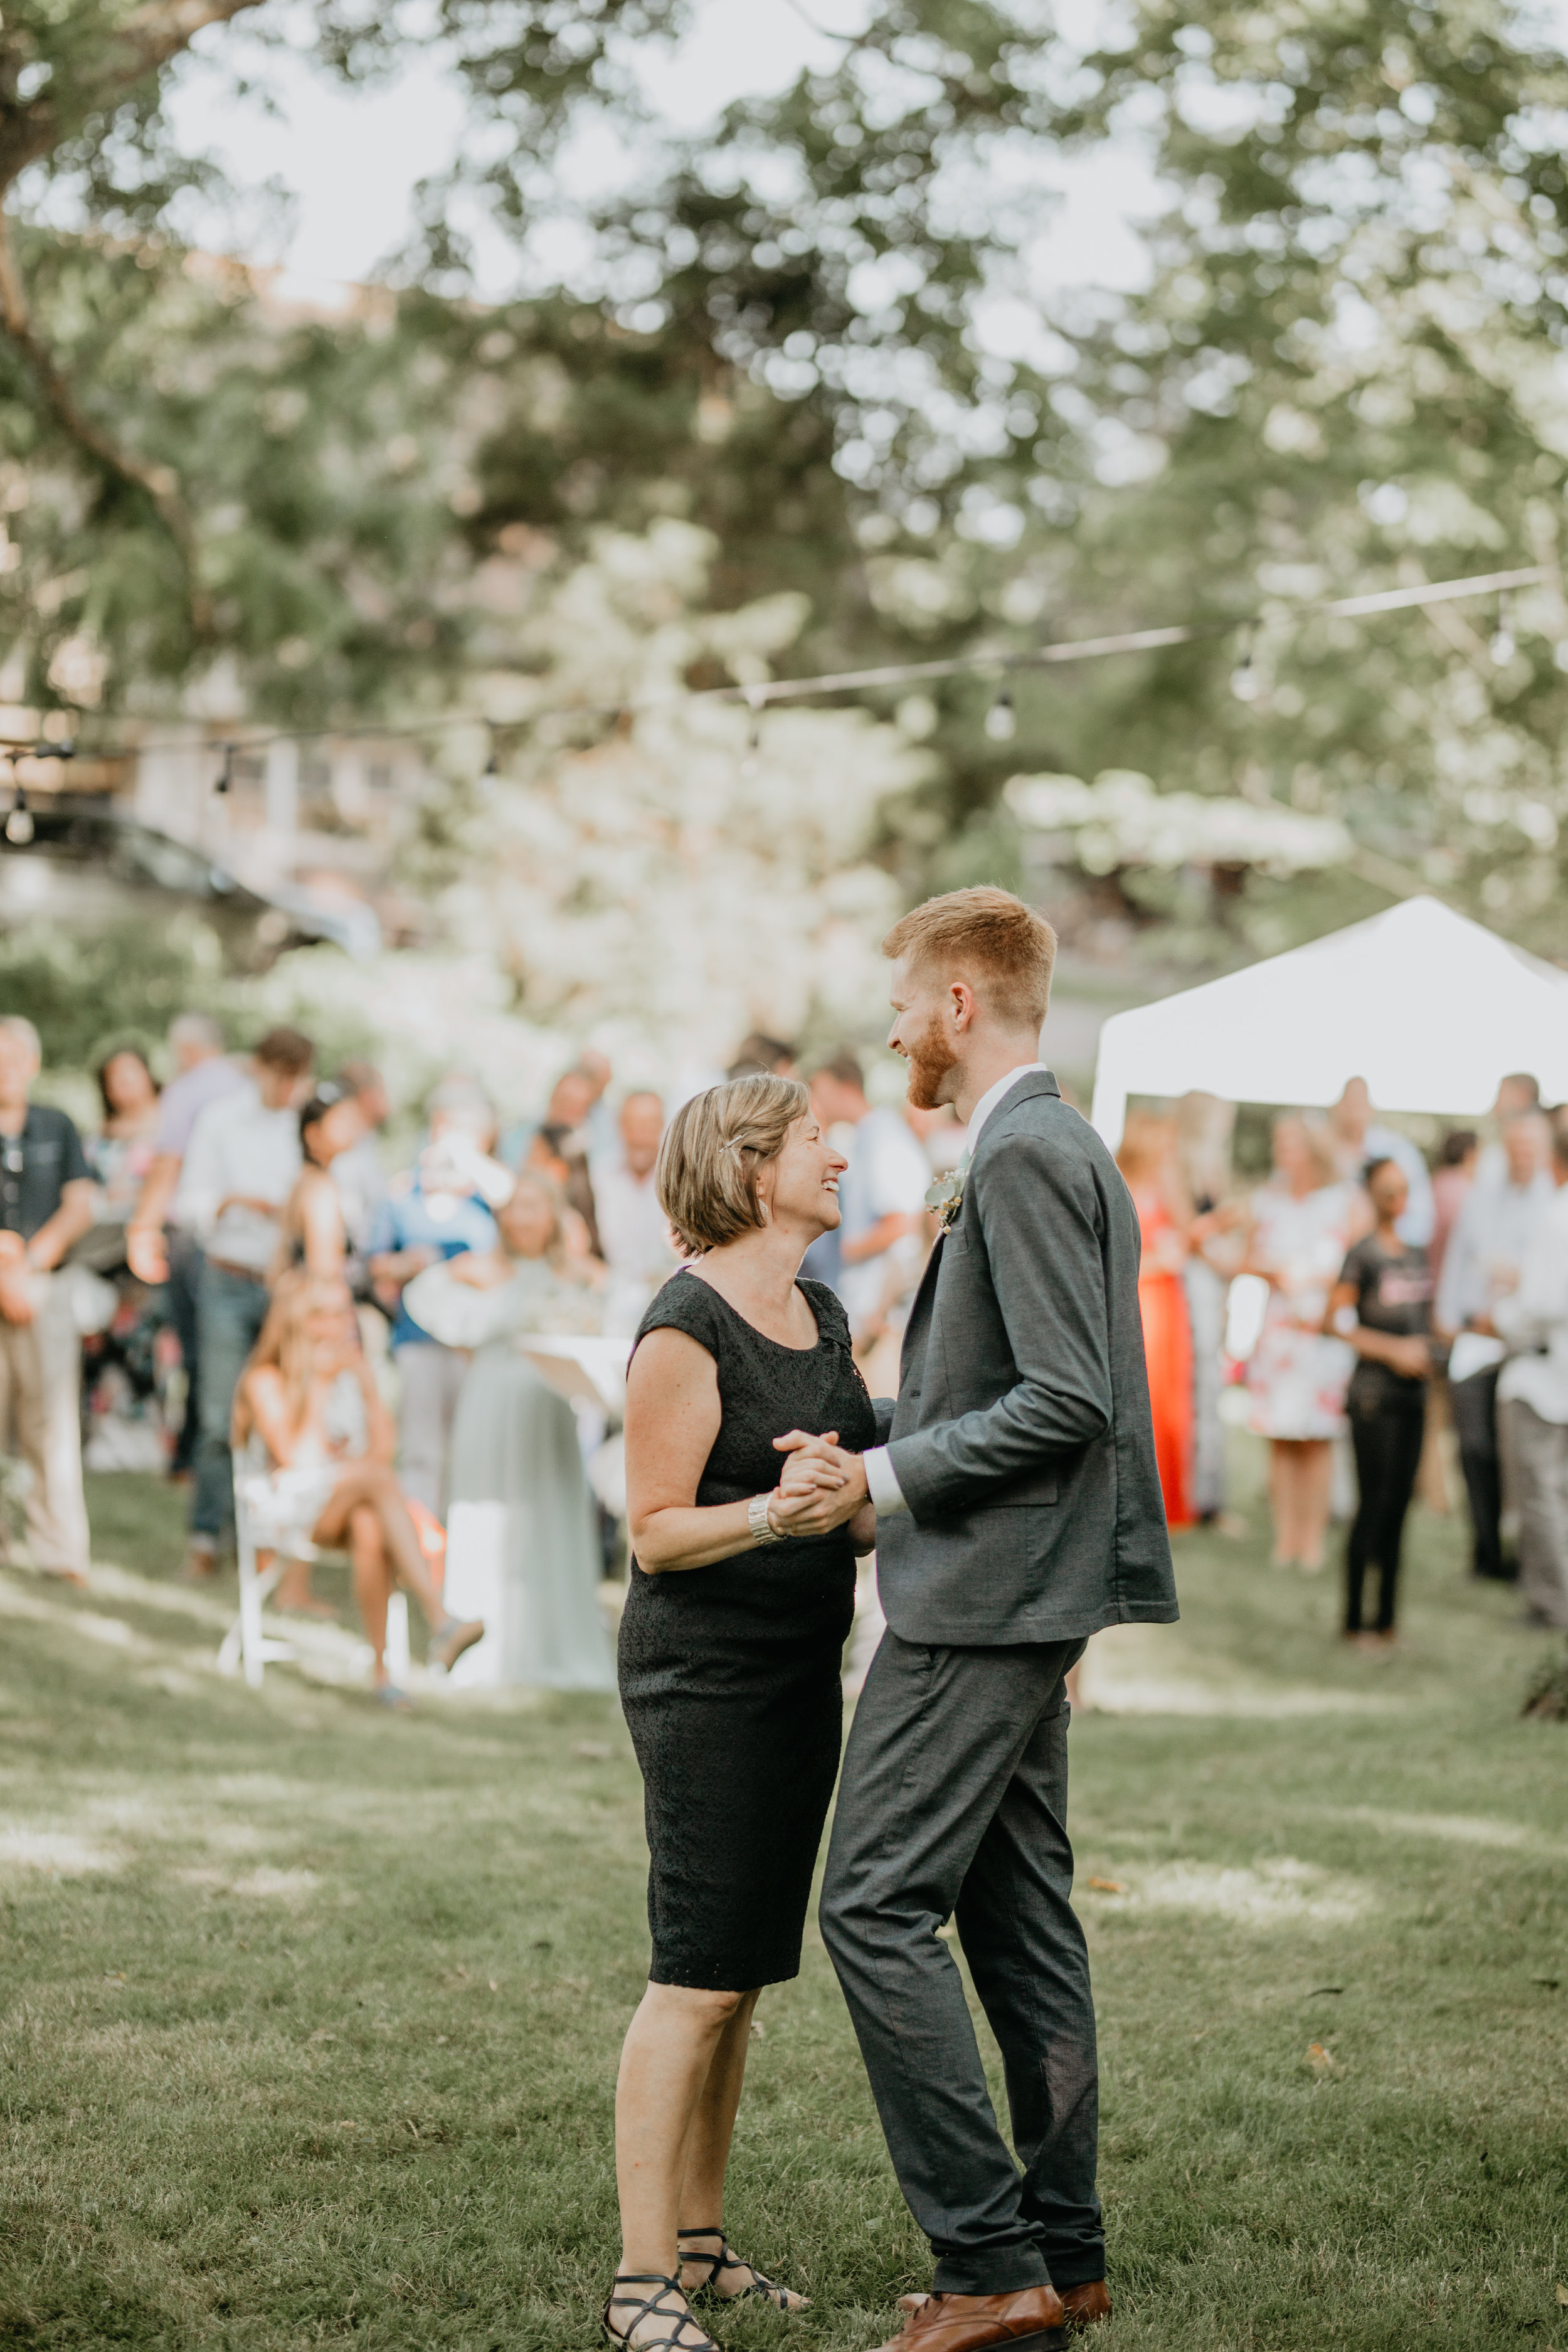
(989, 937)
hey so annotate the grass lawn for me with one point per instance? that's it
(309, 2017)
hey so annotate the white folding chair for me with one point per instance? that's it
(248, 1644)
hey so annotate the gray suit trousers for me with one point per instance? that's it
(953, 1803)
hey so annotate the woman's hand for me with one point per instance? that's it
(830, 1480)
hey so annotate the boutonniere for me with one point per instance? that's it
(944, 1198)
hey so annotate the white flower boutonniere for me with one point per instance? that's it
(944, 1198)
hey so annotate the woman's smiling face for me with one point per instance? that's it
(801, 1186)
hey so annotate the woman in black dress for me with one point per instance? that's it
(1383, 1304)
(730, 1661)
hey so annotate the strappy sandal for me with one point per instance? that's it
(677, 2340)
(452, 1637)
(727, 2258)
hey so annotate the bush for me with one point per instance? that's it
(82, 991)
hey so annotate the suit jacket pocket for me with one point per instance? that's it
(1028, 1493)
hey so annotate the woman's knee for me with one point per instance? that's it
(365, 1528)
(702, 2005)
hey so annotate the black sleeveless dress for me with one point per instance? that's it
(729, 1674)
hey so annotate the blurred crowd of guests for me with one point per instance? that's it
(254, 1282)
(1362, 1293)
(237, 1260)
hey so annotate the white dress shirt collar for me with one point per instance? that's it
(994, 1095)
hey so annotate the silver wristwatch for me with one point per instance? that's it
(760, 1524)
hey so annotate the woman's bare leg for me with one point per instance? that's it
(1282, 1499)
(702, 2197)
(1316, 1497)
(667, 2056)
(368, 1484)
(372, 1581)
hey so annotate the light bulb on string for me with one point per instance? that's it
(489, 773)
(19, 827)
(1504, 647)
(1245, 683)
(1002, 719)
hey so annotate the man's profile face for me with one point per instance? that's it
(281, 1090)
(833, 1101)
(642, 1124)
(923, 1017)
(1522, 1143)
(19, 1064)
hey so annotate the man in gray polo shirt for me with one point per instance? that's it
(160, 1249)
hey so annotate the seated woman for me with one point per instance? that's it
(315, 1233)
(318, 1446)
(514, 1441)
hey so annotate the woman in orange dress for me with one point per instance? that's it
(1147, 1159)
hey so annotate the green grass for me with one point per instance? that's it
(307, 2035)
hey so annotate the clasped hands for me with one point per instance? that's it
(822, 1486)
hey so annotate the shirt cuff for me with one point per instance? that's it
(883, 1480)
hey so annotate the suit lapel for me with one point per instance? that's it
(919, 1324)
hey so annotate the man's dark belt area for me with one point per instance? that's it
(242, 1272)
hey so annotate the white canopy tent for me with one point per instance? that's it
(1431, 1010)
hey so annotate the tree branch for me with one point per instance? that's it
(159, 483)
(148, 39)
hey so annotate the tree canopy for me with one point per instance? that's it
(1344, 372)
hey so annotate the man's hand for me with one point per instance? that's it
(146, 1253)
(821, 1486)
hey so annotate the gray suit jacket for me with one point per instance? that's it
(1021, 1436)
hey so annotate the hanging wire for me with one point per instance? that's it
(489, 773)
(755, 697)
(225, 773)
(888, 674)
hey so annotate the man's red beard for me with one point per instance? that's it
(930, 1057)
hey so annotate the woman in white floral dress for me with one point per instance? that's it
(1304, 1222)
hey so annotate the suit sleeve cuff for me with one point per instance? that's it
(883, 1480)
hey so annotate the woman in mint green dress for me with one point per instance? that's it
(521, 1521)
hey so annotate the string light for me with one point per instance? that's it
(1244, 680)
(1002, 719)
(1502, 647)
(888, 674)
(19, 826)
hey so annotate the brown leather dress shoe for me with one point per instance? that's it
(1030, 2318)
(1086, 2305)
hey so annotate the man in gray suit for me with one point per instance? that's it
(1018, 1511)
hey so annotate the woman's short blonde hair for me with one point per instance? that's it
(712, 1148)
